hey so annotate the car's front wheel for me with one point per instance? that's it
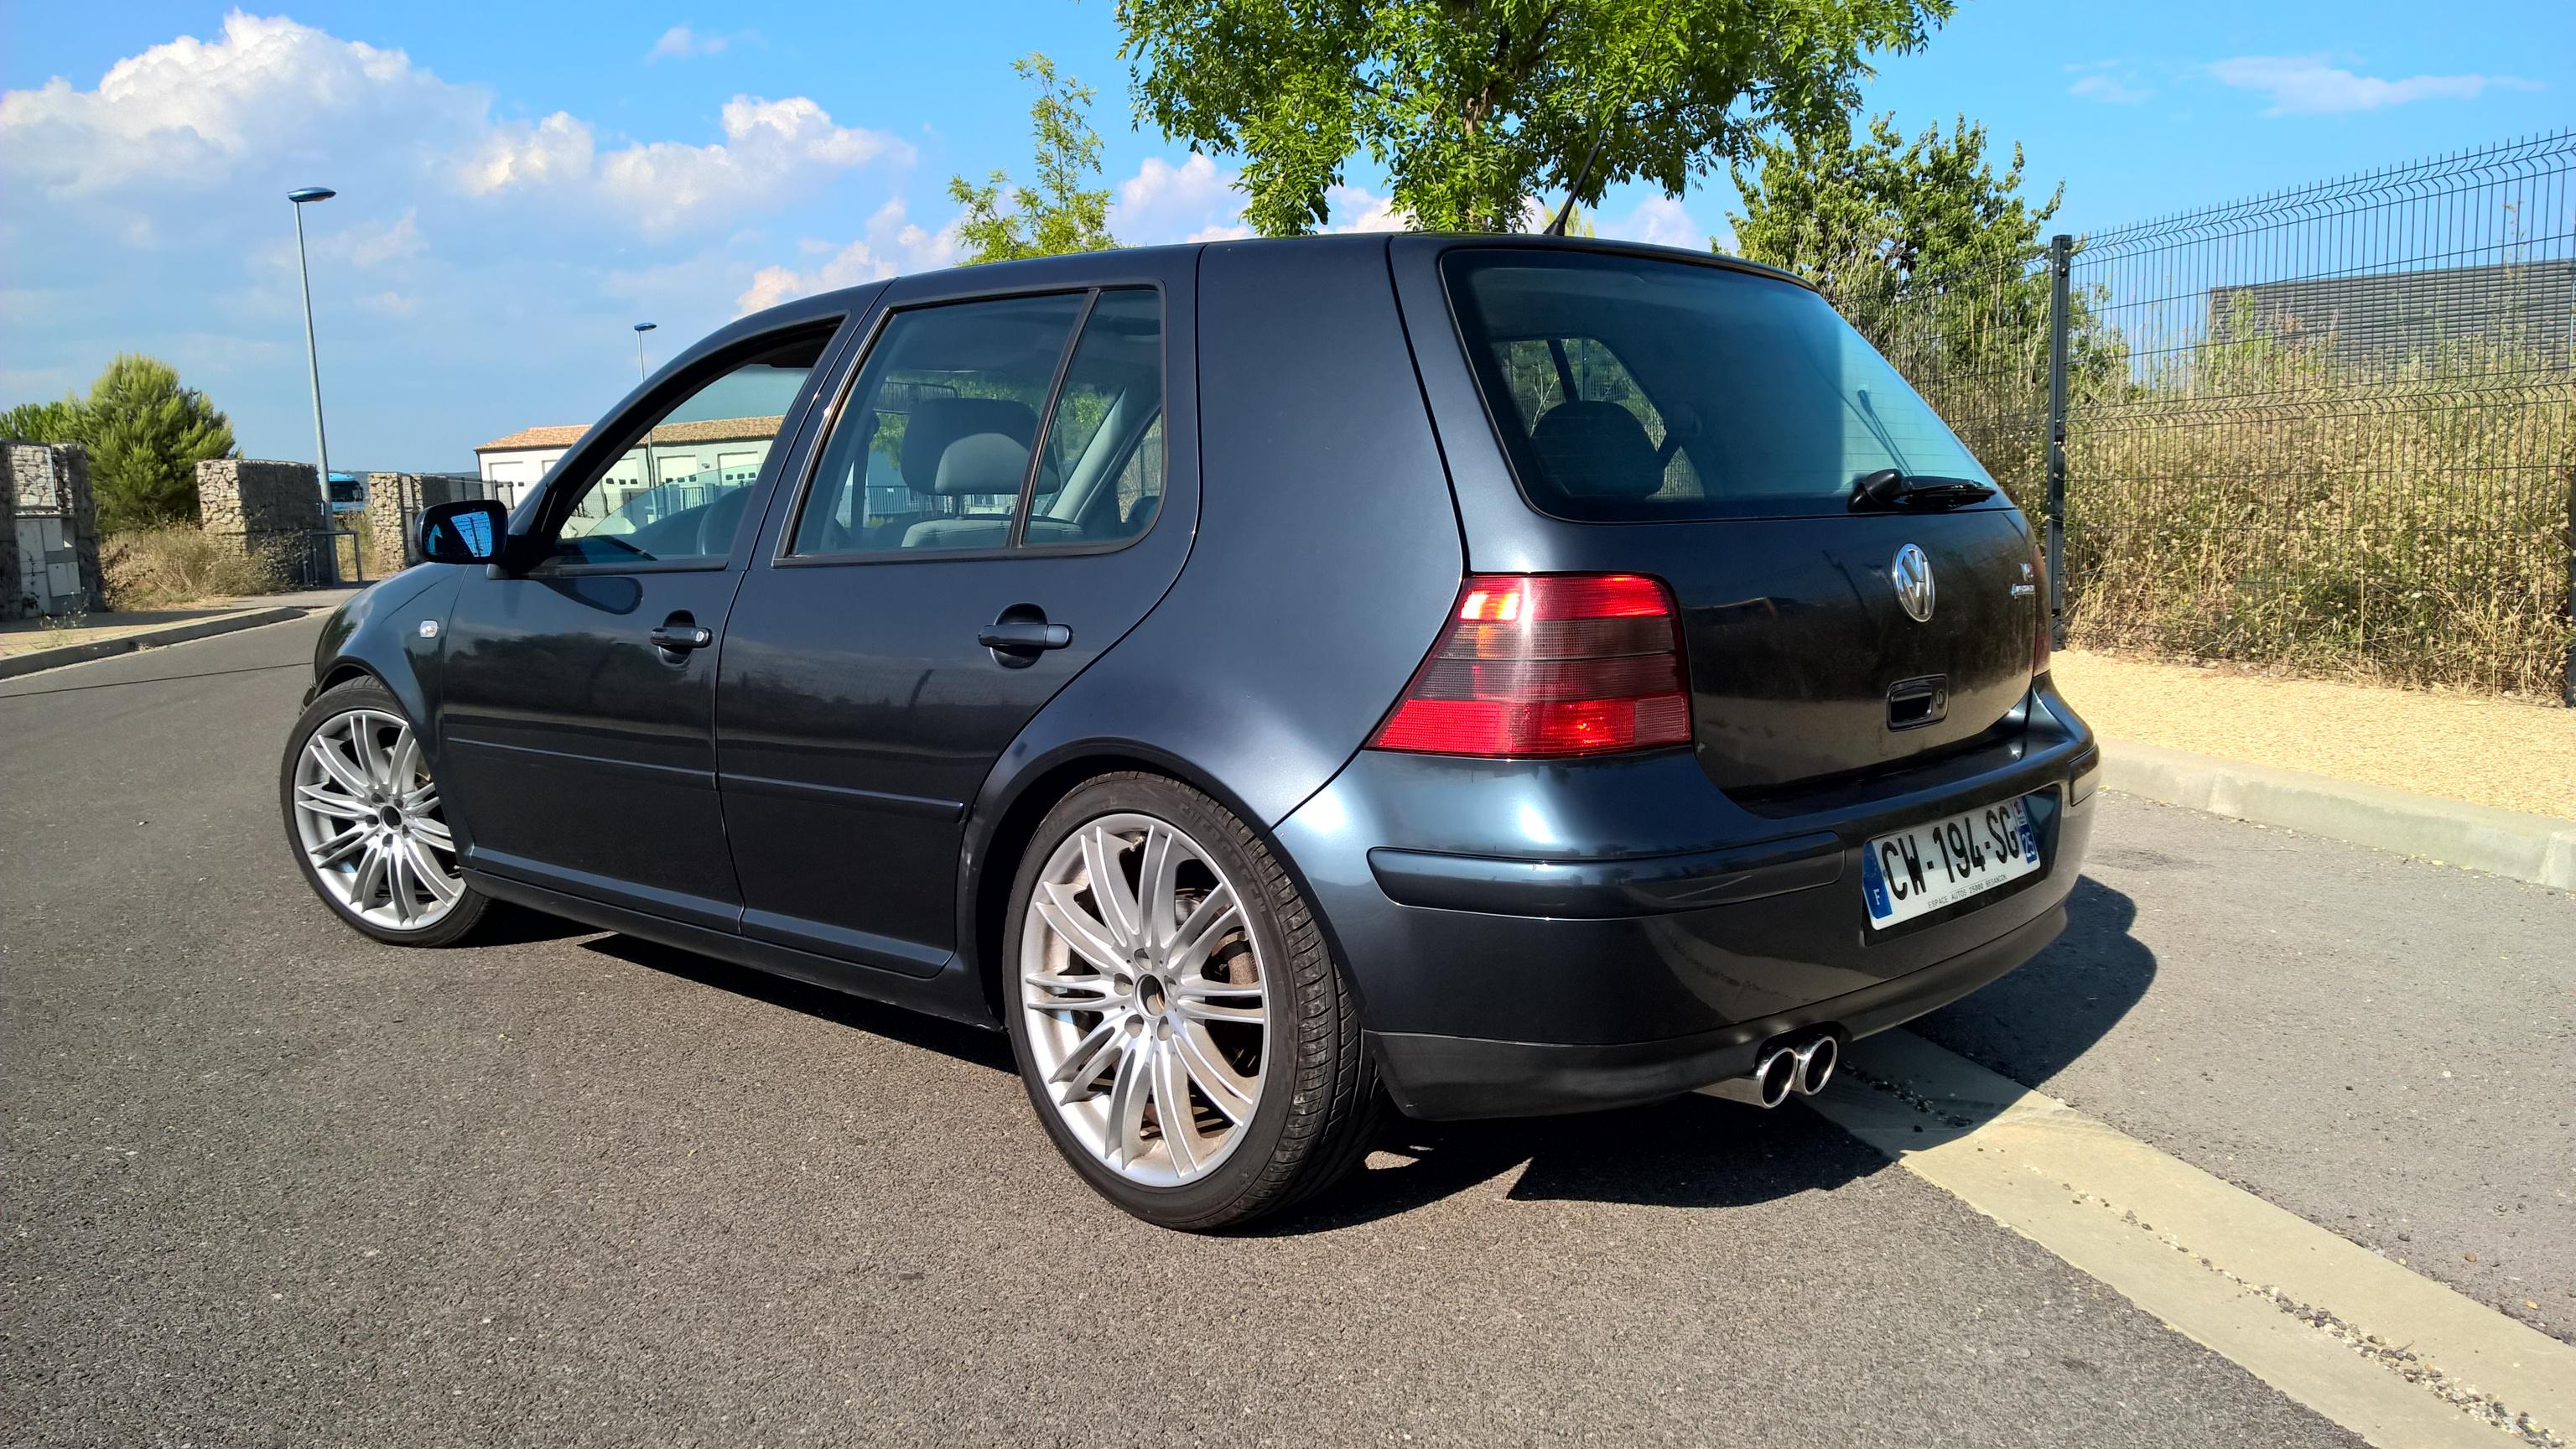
(367, 823)
(1181, 1026)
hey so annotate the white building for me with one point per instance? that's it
(681, 460)
(513, 464)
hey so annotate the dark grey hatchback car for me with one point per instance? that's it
(1271, 680)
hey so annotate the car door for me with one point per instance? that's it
(1008, 485)
(577, 707)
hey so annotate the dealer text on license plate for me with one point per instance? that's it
(1947, 861)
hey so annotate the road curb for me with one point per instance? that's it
(2536, 848)
(30, 663)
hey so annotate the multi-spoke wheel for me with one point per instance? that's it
(367, 823)
(1165, 975)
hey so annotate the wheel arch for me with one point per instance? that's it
(376, 635)
(1006, 817)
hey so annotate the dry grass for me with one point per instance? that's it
(2405, 528)
(153, 568)
(2396, 512)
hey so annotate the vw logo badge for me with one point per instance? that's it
(1912, 575)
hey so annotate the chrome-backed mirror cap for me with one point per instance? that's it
(463, 533)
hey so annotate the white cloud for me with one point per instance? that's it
(680, 42)
(1659, 220)
(287, 103)
(373, 243)
(1356, 208)
(191, 113)
(1194, 201)
(770, 148)
(2108, 88)
(2311, 86)
(892, 244)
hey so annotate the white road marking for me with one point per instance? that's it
(2386, 1353)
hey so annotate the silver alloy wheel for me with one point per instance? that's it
(367, 815)
(1146, 999)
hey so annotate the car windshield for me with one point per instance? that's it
(1628, 389)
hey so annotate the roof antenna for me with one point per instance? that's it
(1600, 133)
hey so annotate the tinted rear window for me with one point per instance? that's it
(1633, 390)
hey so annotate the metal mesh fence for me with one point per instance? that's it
(2332, 428)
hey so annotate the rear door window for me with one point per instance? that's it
(1628, 389)
(1022, 422)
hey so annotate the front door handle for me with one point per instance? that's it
(678, 635)
(1024, 635)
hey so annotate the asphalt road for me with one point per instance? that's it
(269, 1182)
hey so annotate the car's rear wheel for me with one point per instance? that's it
(367, 822)
(1184, 1032)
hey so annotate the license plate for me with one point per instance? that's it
(1946, 861)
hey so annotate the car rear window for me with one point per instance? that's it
(1628, 389)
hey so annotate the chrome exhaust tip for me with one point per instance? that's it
(1767, 1085)
(1816, 1064)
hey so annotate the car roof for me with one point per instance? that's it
(1078, 268)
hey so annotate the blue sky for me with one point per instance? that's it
(520, 183)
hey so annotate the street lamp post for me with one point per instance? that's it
(313, 358)
(640, 329)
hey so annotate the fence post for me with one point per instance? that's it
(2567, 690)
(2061, 250)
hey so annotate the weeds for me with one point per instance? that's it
(149, 568)
(2405, 523)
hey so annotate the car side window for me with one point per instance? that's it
(932, 451)
(681, 491)
(1102, 472)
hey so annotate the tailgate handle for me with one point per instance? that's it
(1913, 703)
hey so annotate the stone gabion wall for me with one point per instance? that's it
(47, 479)
(255, 498)
(394, 503)
(13, 601)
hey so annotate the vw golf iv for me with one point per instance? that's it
(1273, 681)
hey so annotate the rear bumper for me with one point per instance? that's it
(1444, 1078)
(1529, 938)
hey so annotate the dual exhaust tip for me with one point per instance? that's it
(1804, 1069)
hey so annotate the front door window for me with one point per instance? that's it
(680, 491)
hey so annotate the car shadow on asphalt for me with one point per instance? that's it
(2038, 1021)
(949, 1038)
(1689, 1152)
(1703, 1152)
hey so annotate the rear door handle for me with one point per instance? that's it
(680, 638)
(1024, 636)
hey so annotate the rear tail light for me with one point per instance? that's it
(1548, 664)
(2039, 644)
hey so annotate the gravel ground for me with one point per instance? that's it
(2510, 754)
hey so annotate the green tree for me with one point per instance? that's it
(1472, 106)
(146, 435)
(46, 422)
(1861, 215)
(1059, 214)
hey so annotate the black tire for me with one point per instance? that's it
(366, 693)
(1320, 1102)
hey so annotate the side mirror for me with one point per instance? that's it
(463, 533)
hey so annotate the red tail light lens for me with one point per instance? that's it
(1548, 664)
(2039, 645)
